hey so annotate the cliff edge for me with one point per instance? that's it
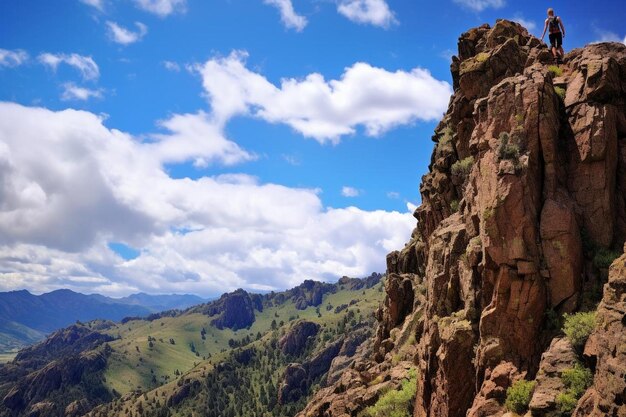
(523, 208)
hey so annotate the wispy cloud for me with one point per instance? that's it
(72, 92)
(123, 36)
(347, 191)
(13, 58)
(97, 4)
(393, 194)
(291, 159)
(373, 12)
(528, 24)
(171, 66)
(288, 15)
(608, 36)
(84, 64)
(480, 5)
(162, 8)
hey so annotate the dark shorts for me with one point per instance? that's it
(556, 40)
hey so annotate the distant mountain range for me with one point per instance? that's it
(242, 354)
(26, 318)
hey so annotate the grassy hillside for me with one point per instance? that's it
(144, 367)
(147, 376)
(14, 336)
(136, 365)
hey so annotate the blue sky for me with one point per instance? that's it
(226, 143)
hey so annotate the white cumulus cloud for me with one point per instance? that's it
(84, 64)
(73, 92)
(69, 185)
(13, 58)
(374, 12)
(123, 36)
(162, 8)
(480, 5)
(288, 15)
(367, 96)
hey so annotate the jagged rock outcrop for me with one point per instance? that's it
(57, 376)
(607, 396)
(347, 354)
(234, 310)
(297, 338)
(59, 364)
(309, 293)
(559, 357)
(294, 384)
(527, 182)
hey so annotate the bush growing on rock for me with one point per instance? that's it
(463, 167)
(578, 327)
(555, 70)
(566, 403)
(560, 92)
(518, 396)
(395, 403)
(576, 381)
(506, 149)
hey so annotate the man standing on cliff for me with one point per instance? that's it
(557, 33)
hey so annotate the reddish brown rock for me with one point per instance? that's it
(296, 339)
(520, 181)
(490, 399)
(607, 396)
(559, 357)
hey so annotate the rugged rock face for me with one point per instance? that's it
(294, 384)
(607, 396)
(70, 381)
(45, 378)
(295, 341)
(526, 183)
(559, 357)
(309, 293)
(235, 310)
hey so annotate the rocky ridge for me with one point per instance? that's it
(526, 187)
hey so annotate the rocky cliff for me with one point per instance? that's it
(522, 208)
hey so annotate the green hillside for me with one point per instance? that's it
(130, 371)
(142, 364)
(135, 365)
(14, 336)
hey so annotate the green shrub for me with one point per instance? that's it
(506, 149)
(566, 402)
(463, 167)
(454, 206)
(446, 136)
(603, 258)
(577, 379)
(395, 403)
(560, 92)
(555, 70)
(579, 326)
(518, 396)
(482, 57)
